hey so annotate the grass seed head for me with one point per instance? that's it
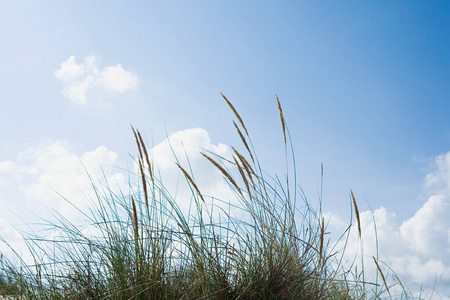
(235, 113)
(137, 141)
(191, 181)
(135, 220)
(147, 159)
(356, 213)
(382, 275)
(244, 178)
(283, 123)
(243, 141)
(224, 172)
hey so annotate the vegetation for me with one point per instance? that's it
(146, 247)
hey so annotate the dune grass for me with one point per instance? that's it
(141, 245)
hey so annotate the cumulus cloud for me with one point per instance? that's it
(417, 249)
(79, 79)
(427, 231)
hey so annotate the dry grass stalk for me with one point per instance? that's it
(144, 182)
(283, 123)
(224, 172)
(356, 213)
(191, 181)
(243, 141)
(137, 141)
(247, 186)
(146, 155)
(142, 149)
(135, 220)
(382, 275)
(248, 168)
(235, 113)
(322, 236)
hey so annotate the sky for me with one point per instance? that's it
(364, 88)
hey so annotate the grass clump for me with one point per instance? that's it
(141, 245)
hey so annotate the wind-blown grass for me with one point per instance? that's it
(141, 245)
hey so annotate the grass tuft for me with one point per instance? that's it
(267, 247)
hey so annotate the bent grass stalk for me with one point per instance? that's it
(191, 181)
(243, 141)
(224, 172)
(382, 275)
(235, 113)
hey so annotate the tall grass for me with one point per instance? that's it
(141, 245)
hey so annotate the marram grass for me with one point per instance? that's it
(146, 247)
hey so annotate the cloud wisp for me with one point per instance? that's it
(80, 79)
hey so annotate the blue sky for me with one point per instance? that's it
(364, 87)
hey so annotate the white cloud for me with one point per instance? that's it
(189, 143)
(79, 79)
(70, 70)
(439, 181)
(426, 232)
(41, 172)
(420, 271)
(417, 249)
(6, 166)
(333, 222)
(116, 79)
(14, 242)
(37, 181)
